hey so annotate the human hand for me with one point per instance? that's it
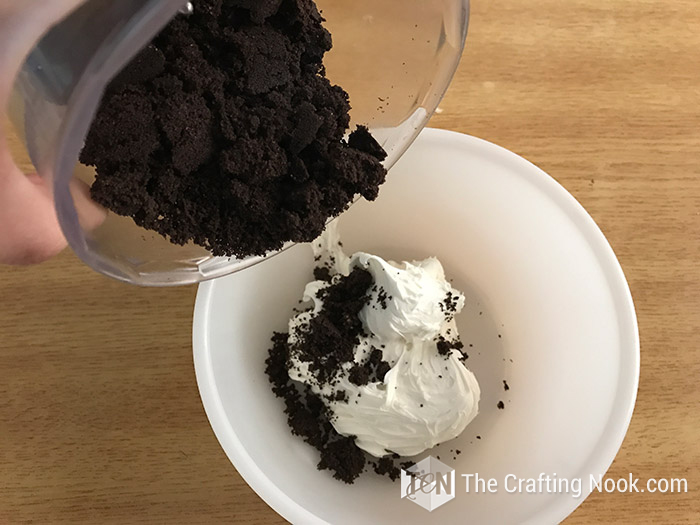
(29, 229)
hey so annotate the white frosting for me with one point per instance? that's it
(426, 398)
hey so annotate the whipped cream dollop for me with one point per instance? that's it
(427, 396)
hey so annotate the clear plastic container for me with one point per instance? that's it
(395, 58)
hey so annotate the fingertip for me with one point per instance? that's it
(29, 229)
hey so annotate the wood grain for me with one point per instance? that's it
(100, 419)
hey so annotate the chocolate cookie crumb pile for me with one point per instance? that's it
(326, 342)
(226, 132)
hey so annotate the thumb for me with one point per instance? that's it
(29, 229)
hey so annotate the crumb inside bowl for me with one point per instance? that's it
(548, 324)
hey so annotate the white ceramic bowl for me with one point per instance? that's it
(548, 310)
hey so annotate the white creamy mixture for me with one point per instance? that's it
(426, 398)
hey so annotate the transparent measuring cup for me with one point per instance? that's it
(395, 58)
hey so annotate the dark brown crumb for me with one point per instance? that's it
(506, 387)
(382, 298)
(226, 132)
(359, 375)
(501, 405)
(340, 395)
(386, 467)
(342, 457)
(321, 273)
(372, 371)
(445, 346)
(449, 306)
(362, 140)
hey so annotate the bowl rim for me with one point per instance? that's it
(612, 437)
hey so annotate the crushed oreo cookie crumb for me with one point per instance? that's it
(383, 299)
(321, 273)
(445, 346)
(225, 131)
(386, 467)
(338, 327)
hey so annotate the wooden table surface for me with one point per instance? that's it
(100, 419)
